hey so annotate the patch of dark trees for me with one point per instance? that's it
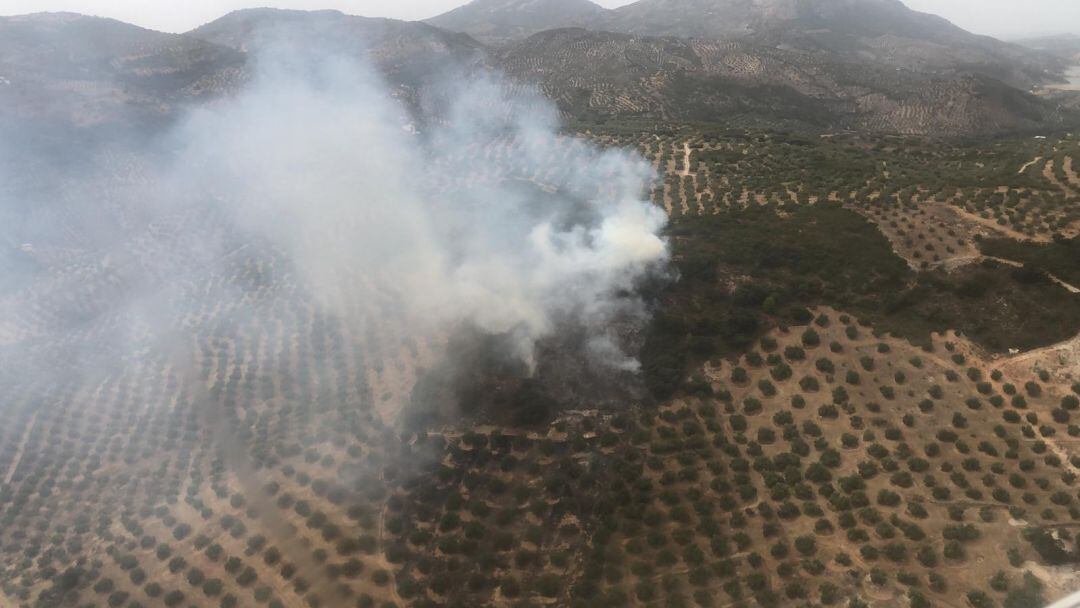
(746, 271)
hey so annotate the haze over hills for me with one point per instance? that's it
(923, 76)
(1066, 46)
(87, 70)
(763, 303)
(603, 74)
(883, 31)
(503, 20)
(405, 50)
(877, 65)
(871, 64)
(73, 70)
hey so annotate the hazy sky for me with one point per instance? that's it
(1002, 18)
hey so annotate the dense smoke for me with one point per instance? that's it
(399, 212)
(484, 215)
(277, 259)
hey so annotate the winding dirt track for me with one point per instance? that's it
(1028, 165)
(1069, 288)
(994, 226)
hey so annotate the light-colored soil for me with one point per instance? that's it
(1062, 359)
(380, 557)
(686, 160)
(993, 226)
(21, 449)
(1051, 176)
(1028, 165)
(938, 235)
(1070, 173)
(984, 557)
(1060, 580)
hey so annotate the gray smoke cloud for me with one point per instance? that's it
(484, 215)
(273, 253)
(402, 215)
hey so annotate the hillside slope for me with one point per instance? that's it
(68, 70)
(63, 68)
(879, 31)
(882, 32)
(405, 51)
(496, 21)
(608, 75)
(1066, 46)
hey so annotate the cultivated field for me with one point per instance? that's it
(864, 391)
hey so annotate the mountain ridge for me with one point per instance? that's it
(1065, 46)
(496, 21)
(142, 76)
(884, 31)
(83, 70)
(616, 75)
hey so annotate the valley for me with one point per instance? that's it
(1072, 77)
(538, 304)
(852, 449)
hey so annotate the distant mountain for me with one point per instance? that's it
(607, 75)
(883, 31)
(62, 68)
(495, 21)
(1065, 46)
(732, 18)
(880, 31)
(611, 75)
(407, 52)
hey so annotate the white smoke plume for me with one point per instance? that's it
(484, 214)
(244, 269)
(210, 293)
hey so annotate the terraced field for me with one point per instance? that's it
(933, 202)
(810, 440)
